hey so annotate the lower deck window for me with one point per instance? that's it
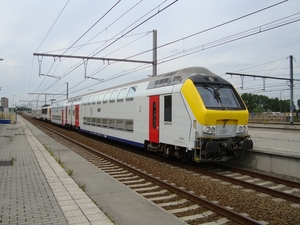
(118, 124)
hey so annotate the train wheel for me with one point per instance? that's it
(146, 145)
(182, 155)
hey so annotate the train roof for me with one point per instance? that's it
(196, 74)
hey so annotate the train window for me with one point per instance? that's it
(104, 123)
(100, 98)
(95, 99)
(89, 101)
(219, 97)
(168, 109)
(154, 116)
(99, 122)
(106, 97)
(83, 101)
(120, 125)
(121, 95)
(130, 93)
(129, 125)
(112, 123)
(93, 120)
(113, 96)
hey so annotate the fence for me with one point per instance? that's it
(8, 118)
(271, 118)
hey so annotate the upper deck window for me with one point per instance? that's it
(95, 99)
(113, 96)
(130, 93)
(106, 97)
(219, 96)
(100, 98)
(121, 95)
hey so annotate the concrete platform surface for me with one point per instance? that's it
(35, 189)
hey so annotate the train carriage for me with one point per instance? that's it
(46, 113)
(58, 113)
(191, 114)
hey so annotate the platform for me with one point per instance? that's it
(35, 189)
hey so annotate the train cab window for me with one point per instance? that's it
(131, 93)
(121, 95)
(113, 96)
(168, 108)
(219, 97)
(106, 97)
(95, 99)
(100, 98)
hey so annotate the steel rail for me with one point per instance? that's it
(188, 195)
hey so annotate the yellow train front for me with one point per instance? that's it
(208, 118)
(219, 117)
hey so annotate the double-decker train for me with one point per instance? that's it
(191, 114)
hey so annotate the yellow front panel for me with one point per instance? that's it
(206, 116)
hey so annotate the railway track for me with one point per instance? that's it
(190, 207)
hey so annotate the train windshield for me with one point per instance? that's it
(219, 96)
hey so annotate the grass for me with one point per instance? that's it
(12, 161)
(59, 161)
(82, 186)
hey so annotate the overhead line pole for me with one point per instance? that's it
(291, 91)
(86, 58)
(36, 93)
(291, 80)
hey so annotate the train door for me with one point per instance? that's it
(66, 115)
(62, 116)
(77, 115)
(154, 119)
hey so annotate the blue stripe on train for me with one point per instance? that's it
(133, 143)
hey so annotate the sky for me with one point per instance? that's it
(248, 37)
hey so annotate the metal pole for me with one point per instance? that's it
(67, 90)
(292, 91)
(154, 69)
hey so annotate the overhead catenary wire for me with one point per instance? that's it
(151, 16)
(132, 69)
(163, 61)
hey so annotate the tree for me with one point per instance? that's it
(261, 103)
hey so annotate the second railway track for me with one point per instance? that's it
(194, 197)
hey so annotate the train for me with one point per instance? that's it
(191, 114)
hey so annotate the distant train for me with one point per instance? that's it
(191, 114)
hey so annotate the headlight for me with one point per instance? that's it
(208, 129)
(242, 129)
